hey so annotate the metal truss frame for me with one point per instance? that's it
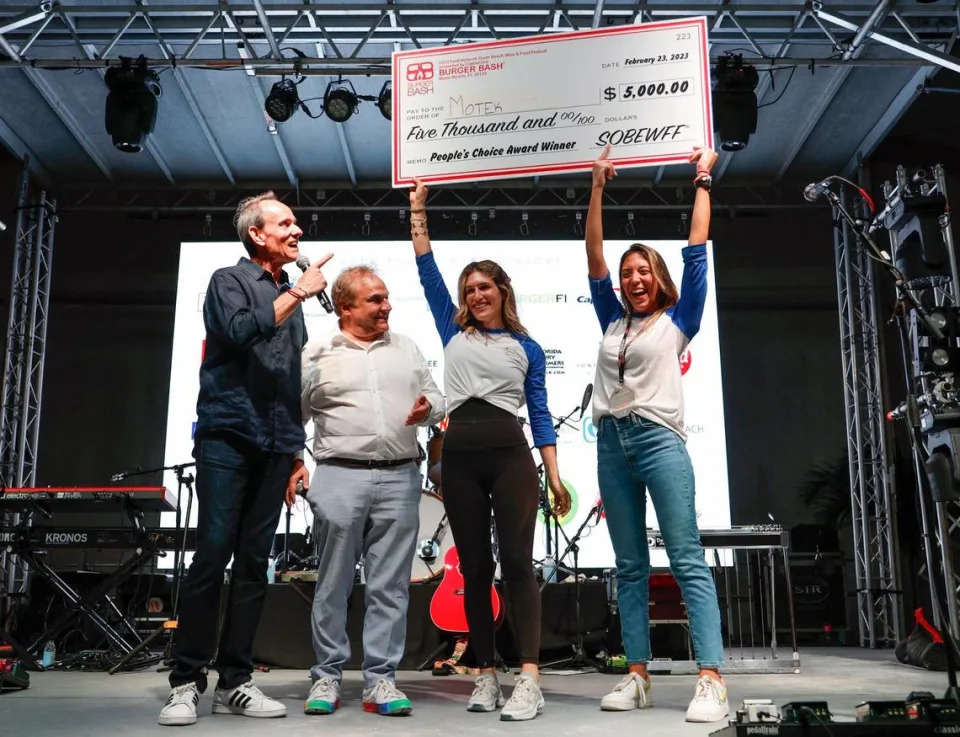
(334, 37)
(25, 352)
(518, 196)
(879, 599)
(26, 339)
(357, 37)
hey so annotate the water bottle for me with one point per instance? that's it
(49, 654)
(272, 570)
(549, 569)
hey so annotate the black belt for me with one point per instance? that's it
(359, 463)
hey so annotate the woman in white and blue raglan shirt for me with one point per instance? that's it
(492, 367)
(638, 412)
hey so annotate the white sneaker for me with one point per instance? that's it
(324, 697)
(633, 692)
(709, 703)
(385, 698)
(525, 702)
(486, 695)
(247, 700)
(181, 707)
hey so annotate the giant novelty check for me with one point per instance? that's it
(549, 104)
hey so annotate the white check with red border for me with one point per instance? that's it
(549, 104)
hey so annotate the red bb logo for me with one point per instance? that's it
(420, 71)
(685, 360)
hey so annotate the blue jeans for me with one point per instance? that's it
(636, 455)
(240, 492)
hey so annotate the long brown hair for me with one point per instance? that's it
(508, 307)
(667, 292)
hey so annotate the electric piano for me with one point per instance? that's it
(96, 538)
(89, 499)
(745, 537)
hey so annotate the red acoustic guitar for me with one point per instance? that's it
(447, 609)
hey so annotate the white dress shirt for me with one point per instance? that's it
(359, 397)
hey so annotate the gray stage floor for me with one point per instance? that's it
(99, 704)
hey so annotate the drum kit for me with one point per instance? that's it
(434, 538)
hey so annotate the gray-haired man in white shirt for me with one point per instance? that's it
(366, 390)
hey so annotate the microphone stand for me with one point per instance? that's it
(183, 480)
(579, 658)
(552, 541)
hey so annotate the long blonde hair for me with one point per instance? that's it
(667, 292)
(508, 308)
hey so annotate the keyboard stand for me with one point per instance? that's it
(83, 605)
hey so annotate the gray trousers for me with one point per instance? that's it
(373, 513)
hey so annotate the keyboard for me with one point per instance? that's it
(89, 499)
(90, 538)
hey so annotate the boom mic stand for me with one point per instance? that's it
(579, 658)
(552, 538)
(184, 480)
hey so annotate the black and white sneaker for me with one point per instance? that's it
(181, 707)
(247, 700)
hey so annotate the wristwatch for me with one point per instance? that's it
(703, 181)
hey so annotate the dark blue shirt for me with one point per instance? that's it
(250, 373)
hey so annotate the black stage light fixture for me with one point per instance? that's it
(734, 101)
(131, 107)
(340, 101)
(385, 100)
(283, 100)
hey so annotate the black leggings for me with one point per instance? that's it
(486, 465)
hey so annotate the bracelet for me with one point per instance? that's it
(302, 296)
(415, 233)
(703, 171)
(418, 221)
(421, 209)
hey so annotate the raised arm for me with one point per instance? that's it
(605, 301)
(693, 287)
(418, 218)
(602, 171)
(436, 292)
(705, 158)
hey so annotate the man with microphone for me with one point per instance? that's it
(367, 389)
(247, 433)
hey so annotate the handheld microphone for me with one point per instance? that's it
(813, 191)
(585, 402)
(304, 263)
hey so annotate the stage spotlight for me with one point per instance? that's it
(734, 101)
(131, 107)
(283, 100)
(340, 101)
(385, 100)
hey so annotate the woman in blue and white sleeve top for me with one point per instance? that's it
(492, 367)
(638, 412)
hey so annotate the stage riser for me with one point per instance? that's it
(283, 637)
